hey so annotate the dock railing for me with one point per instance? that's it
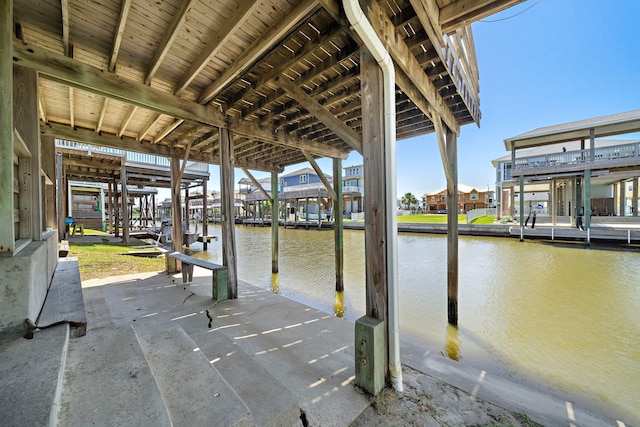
(602, 154)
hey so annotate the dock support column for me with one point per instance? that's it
(621, 194)
(60, 199)
(7, 237)
(634, 200)
(554, 202)
(587, 183)
(226, 206)
(125, 205)
(337, 224)
(205, 215)
(521, 208)
(452, 229)
(372, 343)
(176, 208)
(275, 221)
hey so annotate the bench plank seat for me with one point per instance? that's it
(219, 272)
(64, 302)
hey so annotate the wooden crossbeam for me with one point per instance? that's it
(117, 39)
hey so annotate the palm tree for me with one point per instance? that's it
(409, 201)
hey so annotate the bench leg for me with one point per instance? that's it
(219, 285)
(187, 272)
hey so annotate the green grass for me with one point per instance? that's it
(487, 219)
(101, 260)
(430, 218)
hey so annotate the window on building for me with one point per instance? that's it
(303, 179)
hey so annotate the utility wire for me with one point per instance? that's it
(512, 16)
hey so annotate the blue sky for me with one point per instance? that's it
(558, 61)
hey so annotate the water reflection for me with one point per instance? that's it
(338, 305)
(452, 342)
(567, 315)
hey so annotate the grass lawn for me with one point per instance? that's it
(100, 260)
(430, 218)
(487, 219)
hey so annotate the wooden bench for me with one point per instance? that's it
(64, 302)
(219, 272)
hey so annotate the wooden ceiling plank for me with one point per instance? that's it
(167, 40)
(117, 40)
(213, 46)
(257, 49)
(80, 75)
(347, 134)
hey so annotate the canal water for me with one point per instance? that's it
(558, 313)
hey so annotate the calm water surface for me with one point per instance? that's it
(563, 314)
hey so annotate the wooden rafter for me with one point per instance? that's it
(463, 12)
(117, 39)
(169, 36)
(64, 6)
(257, 49)
(214, 45)
(336, 125)
(417, 79)
(103, 110)
(127, 119)
(80, 75)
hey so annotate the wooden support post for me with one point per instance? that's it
(275, 222)
(226, 205)
(337, 224)
(187, 216)
(7, 238)
(112, 210)
(205, 215)
(521, 208)
(125, 206)
(587, 181)
(634, 198)
(452, 229)
(26, 122)
(621, 194)
(554, 201)
(60, 185)
(176, 205)
(374, 205)
(49, 201)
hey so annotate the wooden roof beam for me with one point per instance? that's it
(80, 75)
(415, 80)
(464, 12)
(167, 40)
(64, 6)
(306, 49)
(353, 139)
(216, 43)
(117, 40)
(258, 49)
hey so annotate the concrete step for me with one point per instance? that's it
(195, 392)
(31, 376)
(107, 381)
(270, 402)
